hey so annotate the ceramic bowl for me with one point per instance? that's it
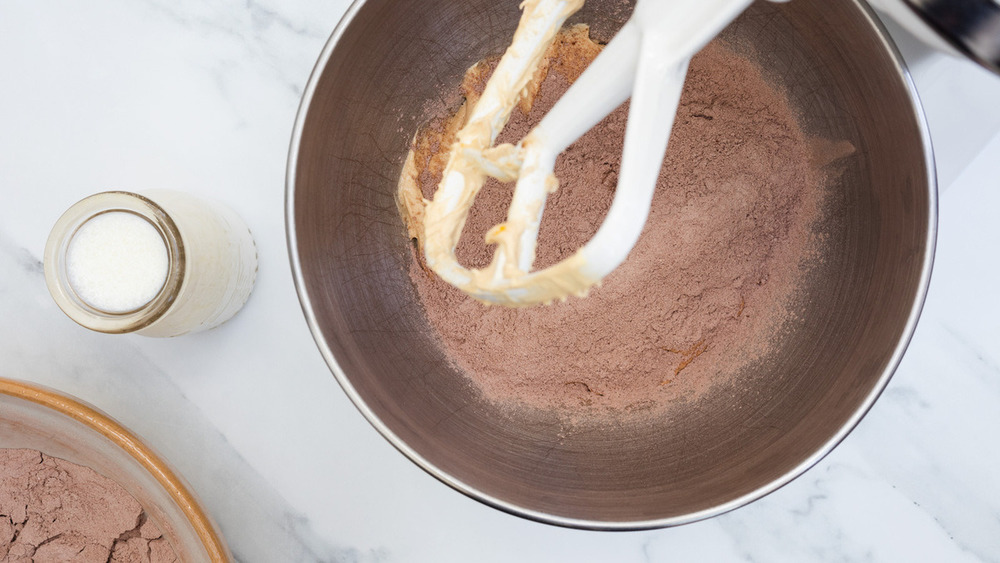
(35, 417)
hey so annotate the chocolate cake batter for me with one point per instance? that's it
(704, 291)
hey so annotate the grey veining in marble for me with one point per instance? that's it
(45, 347)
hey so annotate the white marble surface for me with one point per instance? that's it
(201, 96)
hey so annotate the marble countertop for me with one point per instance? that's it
(201, 96)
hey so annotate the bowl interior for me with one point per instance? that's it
(350, 255)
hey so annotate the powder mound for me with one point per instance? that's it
(704, 290)
(54, 510)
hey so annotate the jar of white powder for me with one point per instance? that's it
(163, 263)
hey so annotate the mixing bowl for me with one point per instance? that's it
(38, 418)
(350, 256)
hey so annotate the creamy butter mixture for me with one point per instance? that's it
(438, 224)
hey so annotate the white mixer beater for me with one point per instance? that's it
(647, 59)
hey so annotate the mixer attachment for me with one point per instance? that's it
(648, 60)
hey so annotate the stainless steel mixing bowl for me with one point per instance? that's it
(350, 256)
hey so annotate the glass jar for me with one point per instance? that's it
(109, 272)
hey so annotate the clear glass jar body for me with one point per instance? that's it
(212, 263)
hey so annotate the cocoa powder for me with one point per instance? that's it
(55, 510)
(704, 291)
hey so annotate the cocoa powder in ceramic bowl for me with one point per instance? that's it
(77, 485)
